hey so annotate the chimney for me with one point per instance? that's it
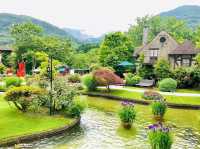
(145, 35)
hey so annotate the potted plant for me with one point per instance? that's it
(159, 136)
(127, 114)
(159, 108)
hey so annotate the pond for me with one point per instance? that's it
(100, 129)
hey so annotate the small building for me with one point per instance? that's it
(4, 50)
(163, 46)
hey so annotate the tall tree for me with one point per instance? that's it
(115, 48)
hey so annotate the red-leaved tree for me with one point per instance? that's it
(106, 77)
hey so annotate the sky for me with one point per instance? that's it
(94, 17)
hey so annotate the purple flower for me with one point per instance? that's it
(127, 103)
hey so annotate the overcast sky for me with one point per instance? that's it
(93, 16)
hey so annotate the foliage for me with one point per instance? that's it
(116, 47)
(74, 78)
(167, 85)
(176, 28)
(85, 47)
(146, 71)
(43, 68)
(159, 137)
(132, 79)
(12, 81)
(151, 95)
(2, 69)
(162, 69)
(159, 108)
(77, 107)
(127, 114)
(2, 86)
(22, 96)
(89, 82)
(197, 59)
(63, 94)
(184, 78)
(106, 77)
(5, 58)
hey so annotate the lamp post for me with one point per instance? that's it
(50, 76)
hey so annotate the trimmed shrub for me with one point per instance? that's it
(74, 78)
(77, 108)
(2, 86)
(159, 137)
(158, 108)
(168, 85)
(89, 82)
(151, 95)
(132, 79)
(12, 81)
(22, 96)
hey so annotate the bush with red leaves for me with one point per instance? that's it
(106, 77)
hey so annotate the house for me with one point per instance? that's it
(163, 46)
(4, 50)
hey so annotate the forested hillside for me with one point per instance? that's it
(188, 13)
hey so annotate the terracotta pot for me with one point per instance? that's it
(158, 117)
(127, 125)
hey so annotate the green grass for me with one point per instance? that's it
(169, 98)
(194, 90)
(14, 123)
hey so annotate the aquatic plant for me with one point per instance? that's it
(127, 114)
(159, 108)
(159, 136)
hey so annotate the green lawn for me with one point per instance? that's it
(13, 123)
(170, 99)
(194, 90)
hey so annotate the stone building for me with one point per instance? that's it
(163, 46)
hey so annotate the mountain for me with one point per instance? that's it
(81, 36)
(6, 20)
(189, 13)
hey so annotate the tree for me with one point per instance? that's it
(162, 69)
(176, 28)
(106, 77)
(115, 48)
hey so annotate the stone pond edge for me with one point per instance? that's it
(142, 102)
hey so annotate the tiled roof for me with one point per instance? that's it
(186, 48)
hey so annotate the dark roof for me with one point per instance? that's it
(186, 48)
(5, 49)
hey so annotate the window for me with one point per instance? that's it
(162, 39)
(154, 53)
(186, 62)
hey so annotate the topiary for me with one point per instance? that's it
(12, 81)
(89, 82)
(168, 85)
(22, 96)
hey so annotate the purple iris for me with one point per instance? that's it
(127, 103)
(158, 127)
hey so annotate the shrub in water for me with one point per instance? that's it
(12, 81)
(159, 137)
(132, 79)
(168, 85)
(151, 95)
(159, 108)
(2, 86)
(22, 96)
(89, 82)
(74, 78)
(127, 114)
